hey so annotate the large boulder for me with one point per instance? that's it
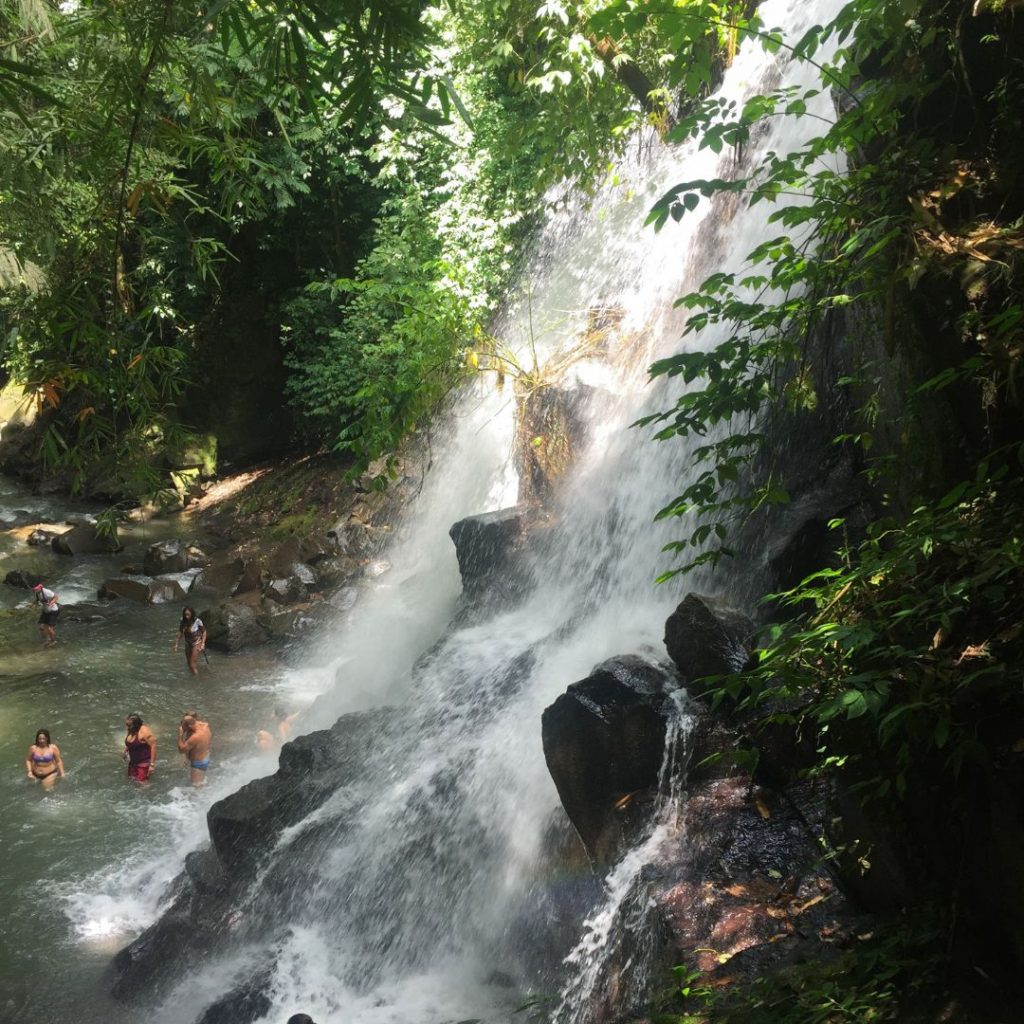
(604, 743)
(254, 578)
(219, 578)
(232, 626)
(142, 589)
(165, 556)
(706, 637)
(23, 578)
(170, 556)
(296, 586)
(87, 539)
(485, 544)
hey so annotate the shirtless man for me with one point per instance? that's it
(194, 742)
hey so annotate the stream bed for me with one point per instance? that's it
(85, 866)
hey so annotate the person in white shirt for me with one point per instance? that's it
(48, 618)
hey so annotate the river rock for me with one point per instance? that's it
(23, 578)
(84, 613)
(232, 626)
(165, 556)
(219, 578)
(284, 556)
(80, 519)
(285, 591)
(86, 539)
(484, 544)
(706, 637)
(253, 579)
(350, 537)
(142, 589)
(604, 739)
(39, 537)
(244, 826)
(205, 872)
(248, 1001)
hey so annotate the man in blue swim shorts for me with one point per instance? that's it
(194, 739)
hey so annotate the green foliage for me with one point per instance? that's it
(893, 975)
(373, 355)
(848, 239)
(137, 143)
(917, 638)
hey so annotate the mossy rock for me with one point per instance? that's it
(199, 454)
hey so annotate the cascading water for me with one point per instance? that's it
(403, 896)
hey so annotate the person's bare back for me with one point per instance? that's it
(194, 740)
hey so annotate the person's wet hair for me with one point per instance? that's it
(43, 732)
(280, 711)
(134, 722)
(191, 613)
(300, 1018)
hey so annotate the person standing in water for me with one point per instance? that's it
(139, 748)
(269, 740)
(43, 762)
(194, 738)
(48, 617)
(193, 632)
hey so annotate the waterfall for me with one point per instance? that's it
(407, 895)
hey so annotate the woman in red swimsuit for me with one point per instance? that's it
(139, 748)
(43, 761)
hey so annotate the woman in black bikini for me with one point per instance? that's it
(43, 762)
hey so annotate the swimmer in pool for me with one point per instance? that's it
(43, 762)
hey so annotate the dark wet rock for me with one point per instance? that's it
(158, 951)
(86, 539)
(205, 872)
(244, 826)
(232, 626)
(133, 569)
(23, 578)
(604, 741)
(246, 1002)
(738, 890)
(486, 545)
(754, 877)
(706, 637)
(142, 589)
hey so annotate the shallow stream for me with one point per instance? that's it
(80, 866)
